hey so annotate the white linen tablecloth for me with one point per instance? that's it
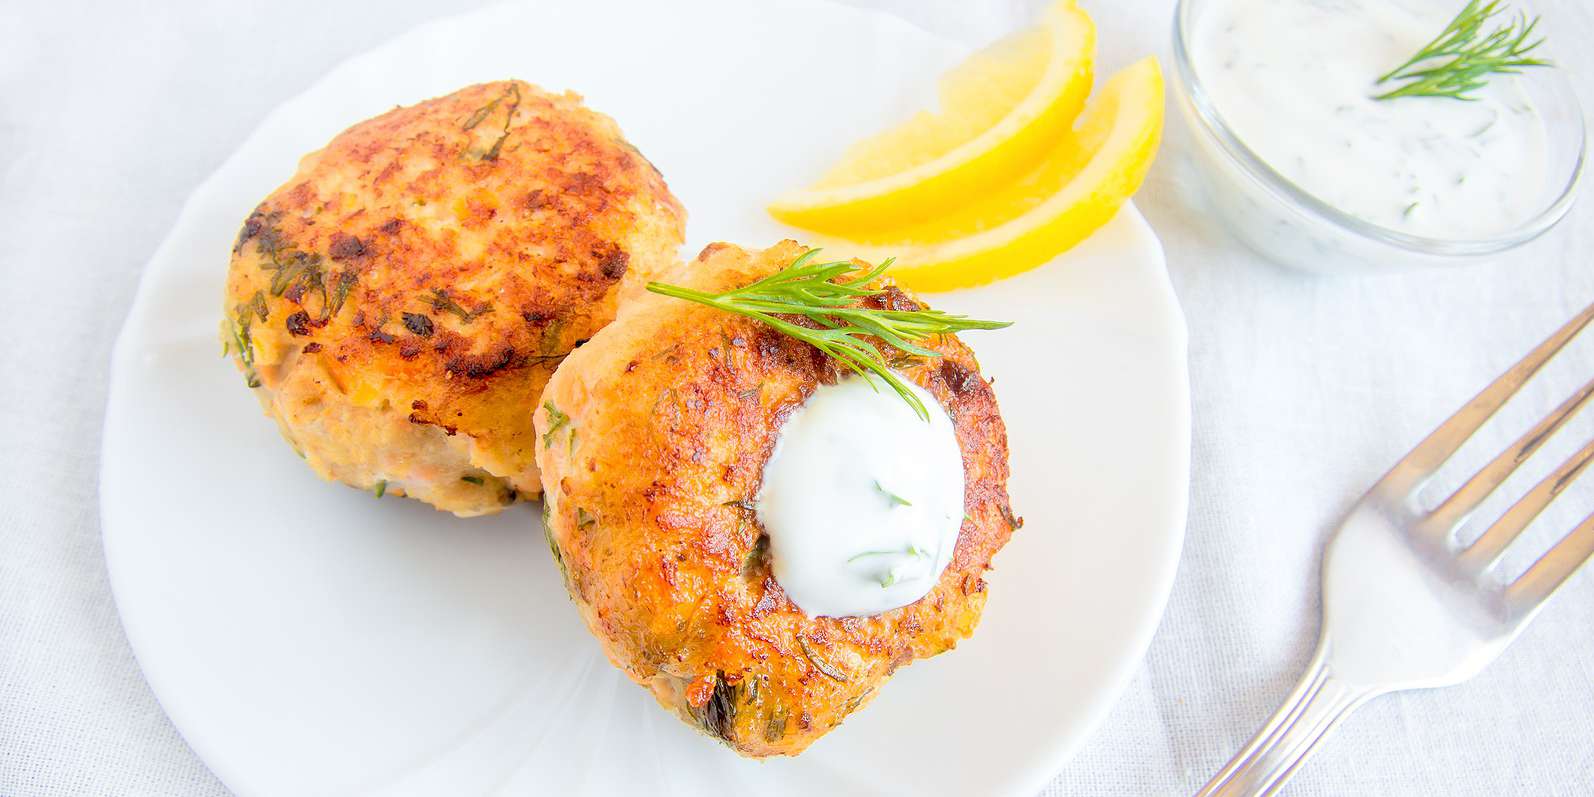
(1305, 391)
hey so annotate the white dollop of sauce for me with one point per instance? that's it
(862, 500)
(1294, 80)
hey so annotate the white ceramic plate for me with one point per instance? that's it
(307, 638)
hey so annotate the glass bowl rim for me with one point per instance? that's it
(1286, 191)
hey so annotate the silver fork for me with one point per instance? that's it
(1405, 605)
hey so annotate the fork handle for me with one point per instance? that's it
(1318, 704)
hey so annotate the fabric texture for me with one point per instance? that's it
(1305, 390)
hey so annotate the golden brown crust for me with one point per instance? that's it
(431, 267)
(655, 437)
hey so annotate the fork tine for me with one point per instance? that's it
(1455, 509)
(1553, 568)
(1437, 447)
(1487, 549)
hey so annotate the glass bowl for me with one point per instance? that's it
(1292, 227)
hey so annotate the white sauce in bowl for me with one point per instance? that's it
(862, 500)
(1294, 81)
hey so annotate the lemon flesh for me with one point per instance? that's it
(1001, 111)
(1088, 175)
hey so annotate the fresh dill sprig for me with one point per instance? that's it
(513, 95)
(891, 497)
(1459, 60)
(808, 290)
(441, 302)
(889, 576)
(556, 420)
(829, 670)
(243, 338)
(911, 550)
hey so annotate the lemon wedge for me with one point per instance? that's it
(1091, 172)
(1001, 111)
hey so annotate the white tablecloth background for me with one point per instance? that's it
(1305, 390)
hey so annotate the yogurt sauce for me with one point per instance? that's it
(862, 500)
(1294, 80)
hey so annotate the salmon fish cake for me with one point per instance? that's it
(399, 304)
(652, 442)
